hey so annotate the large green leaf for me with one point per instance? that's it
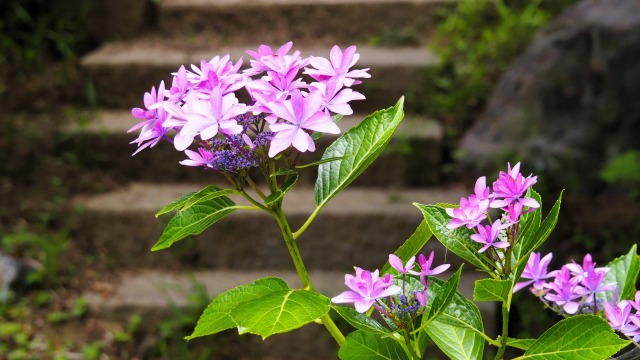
(217, 316)
(279, 312)
(624, 271)
(362, 345)
(194, 220)
(492, 290)
(187, 200)
(364, 142)
(456, 331)
(360, 321)
(412, 245)
(580, 337)
(457, 240)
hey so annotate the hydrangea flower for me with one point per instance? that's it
(536, 272)
(202, 106)
(396, 263)
(425, 267)
(366, 287)
(564, 291)
(470, 213)
(489, 236)
(511, 187)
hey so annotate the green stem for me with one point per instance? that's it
(409, 347)
(505, 331)
(306, 223)
(301, 269)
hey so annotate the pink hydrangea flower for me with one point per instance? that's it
(337, 66)
(536, 272)
(425, 268)
(299, 114)
(470, 213)
(366, 287)
(488, 236)
(396, 263)
(511, 186)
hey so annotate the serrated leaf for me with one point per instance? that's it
(624, 271)
(187, 200)
(362, 345)
(412, 245)
(492, 290)
(457, 240)
(360, 321)
(284, 188)
(217, 316)
(365, 143)
(580, 337)
(194, 220)
(522, 344)
(279, 312)
(457, 330)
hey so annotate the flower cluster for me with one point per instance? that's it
(574, 287)
(508, 195)
(390, 295)
(201, 107)
(622, 318)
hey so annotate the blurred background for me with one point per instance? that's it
(554, 84)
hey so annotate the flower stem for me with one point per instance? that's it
(505, 331)
(409, 347)
(301, 269)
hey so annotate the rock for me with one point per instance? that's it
(12, 275)
(569, 103)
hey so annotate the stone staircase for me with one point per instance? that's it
(361, 226)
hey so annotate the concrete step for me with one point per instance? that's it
(360, 226)
(122, 72)
(279, 21)
(102, 144)
(152, 293)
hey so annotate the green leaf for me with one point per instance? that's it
(457, 240)
(412, 245)
(529, 224)
(284, 188)
(217, 316)
(522, 344)
(283, 172)
(457, 330)
(444, 296)
(492, 290)
(279, 312)
(587, 337)
(365, 143)
(186, 201)
(624, 271)
(360, 321)
(530, 243)
(194, 220)
(362, 345)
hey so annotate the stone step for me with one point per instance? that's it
(360, 226)
(278, 21)
(102, 144)
(122, 72)
(153, 293)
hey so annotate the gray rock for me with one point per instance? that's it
(569, 103)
